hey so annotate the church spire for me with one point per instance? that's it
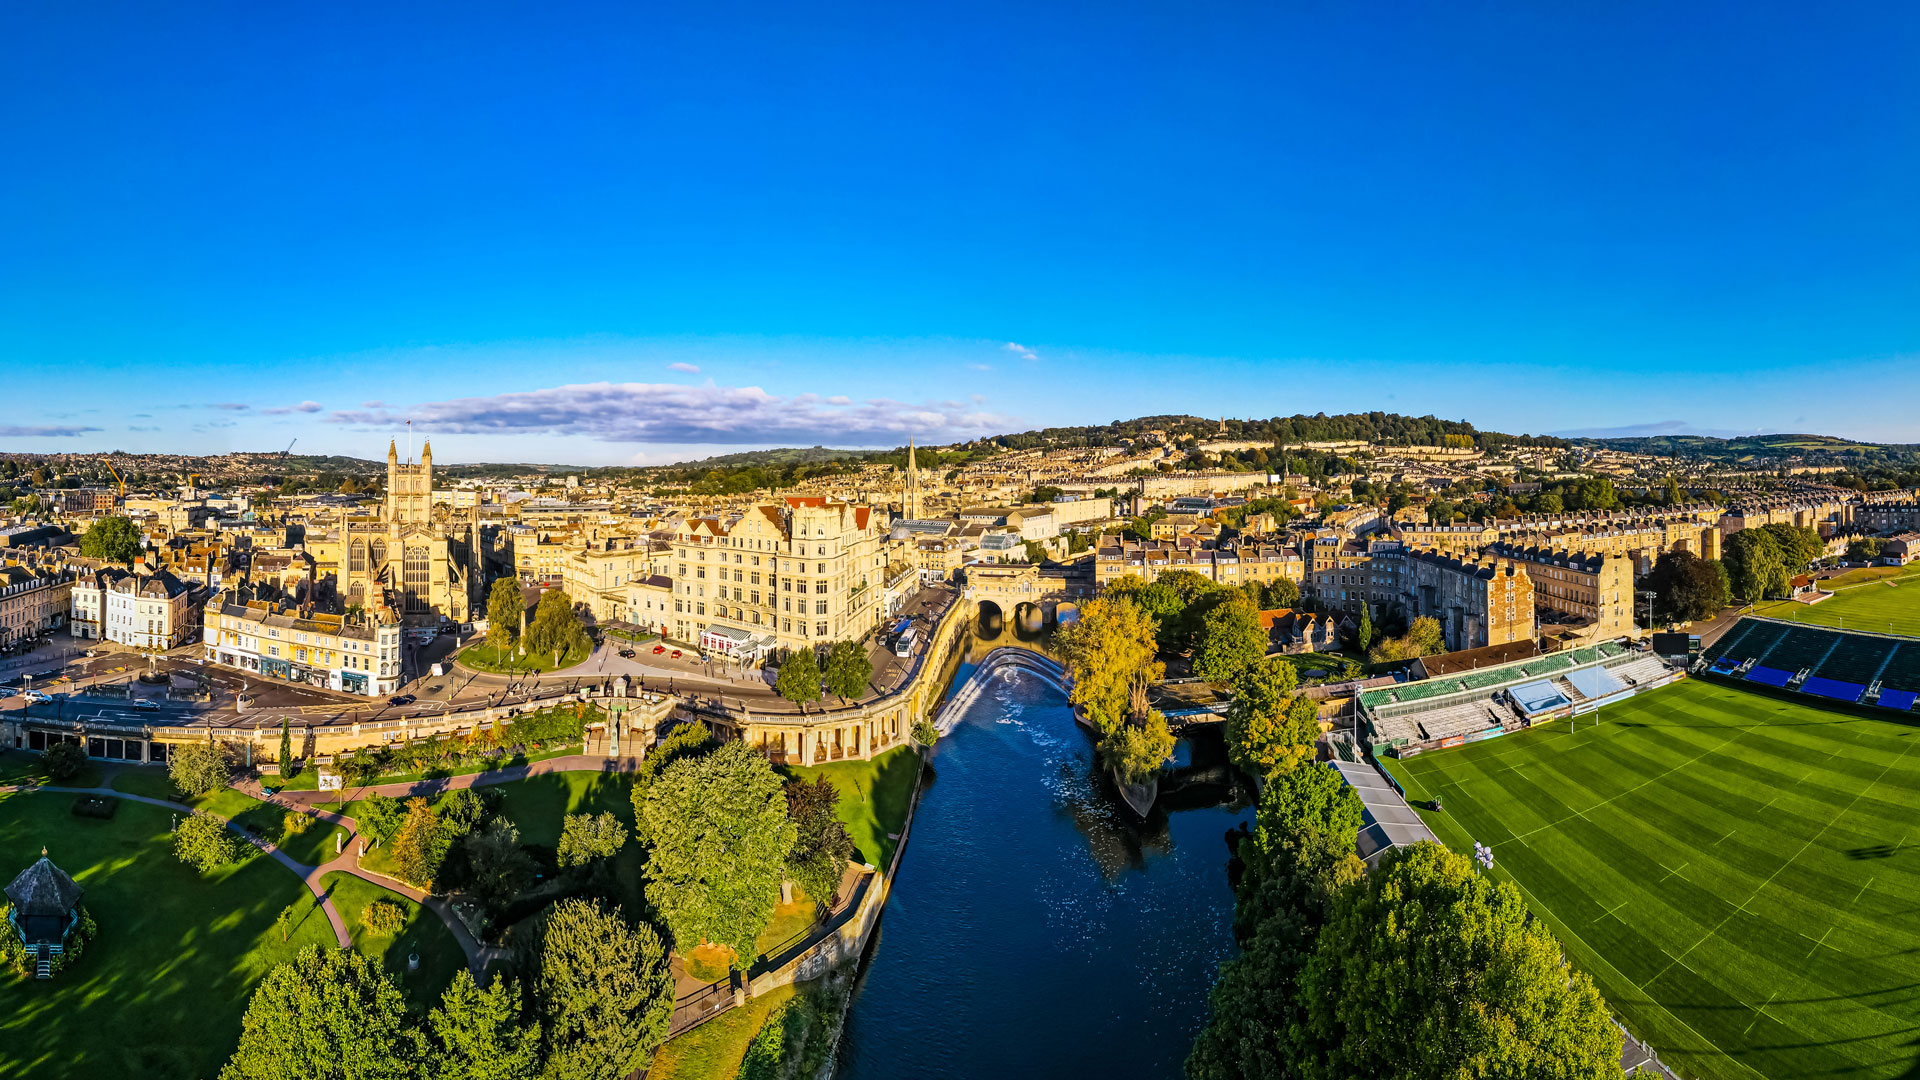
(910, 500)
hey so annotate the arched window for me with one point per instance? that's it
(379, 553)
(357, 557)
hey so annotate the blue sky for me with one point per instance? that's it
(224, 227)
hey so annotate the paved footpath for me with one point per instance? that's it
(306, 873)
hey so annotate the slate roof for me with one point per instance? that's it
(43, 889)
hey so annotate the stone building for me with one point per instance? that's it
(1478, 603)
(355, 655)
(33, 603)
(1595, 590)
(807, 571)
(426, 569)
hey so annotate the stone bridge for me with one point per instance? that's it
(1034, 597)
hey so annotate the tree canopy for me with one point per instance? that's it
(1756, 566)
(822, 847)
(849, 667)
(1688, 588)
(601, 990)
(198, 767)
(477, 1035)
(586, 837)
(1268, 728)
(555, 629)
(1229, 640)
(112, 538)
(798, 680)
(1109, 649)
(332, 1015)
(504, 607)
(720, 833)
(1427, 962)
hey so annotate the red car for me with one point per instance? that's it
(676, 654)
(658, 649)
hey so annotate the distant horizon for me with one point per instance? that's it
(1651, 430)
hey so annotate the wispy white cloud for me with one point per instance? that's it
(684, 368)
(981, 367)
(232, 406)
(375, 404)
(303, 407)
(1020, 350)
(54, 431)
(670, 413)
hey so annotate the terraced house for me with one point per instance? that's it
(804, 572)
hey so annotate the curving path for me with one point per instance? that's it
(302, 800)
(306, 873)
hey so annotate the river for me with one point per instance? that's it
(1036, 929)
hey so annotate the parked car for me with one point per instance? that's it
(401, 699)
(676, 654)
(145, 703)
(626, 654)
(658, 649)
(35, 696)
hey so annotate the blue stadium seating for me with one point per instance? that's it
(1833, 688)
(1767, 676)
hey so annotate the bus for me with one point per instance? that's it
(903, 645)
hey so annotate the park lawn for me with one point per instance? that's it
(713, 1051)
(22, 766)
(538, 806)
(483, 657)
(313, 847)
(874, 798)
(440, 955)
(1732, 869)
(159, 993)
(1877, 599)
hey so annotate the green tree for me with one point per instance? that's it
(384, 917)
(1687, 587)
(380, 817)
(690, 739)
(112, 538)
(63, 761)
(601, 989)
(1364, 636)
(419, 846)
(497, 867)
(203, 842)
(1137, 750)
(821, 847)
(924, 733)
(1108, 649)
(476, 1033)
(505, 605)
(1229, 641)
(1670, 493)
(1426, 920)
(849, 667)
(286, 749)
(197, 767)
(286, 921)
(555, 629)
(1268, 729)
(720, 843)
(332, 1015)
(1756, 567)
(586, 837)
(799, 678)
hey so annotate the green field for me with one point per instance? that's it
(1738, 873)
(484, 657)
(1879, 599)
(160, 992)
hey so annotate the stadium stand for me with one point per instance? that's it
(1838, 665)
(1464, 707)
(1386, 821)
(1598, 682)
(1833, 688)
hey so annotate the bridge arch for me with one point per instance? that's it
(990, 618)
(1029, 618)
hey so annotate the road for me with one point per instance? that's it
(62, 668)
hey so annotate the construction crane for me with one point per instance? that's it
(289, 448)
(121, 479)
